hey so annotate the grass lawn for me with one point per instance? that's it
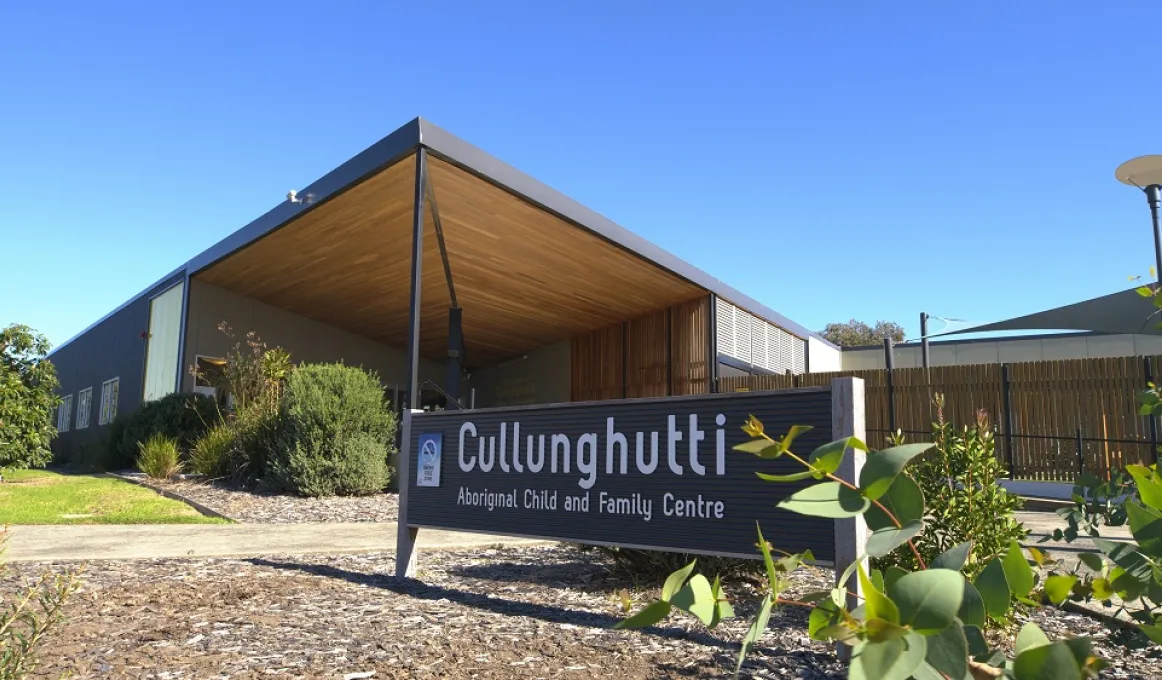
(43, 497)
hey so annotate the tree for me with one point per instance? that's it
(28, 398)
(858, 334)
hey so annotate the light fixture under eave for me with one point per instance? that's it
(1140, 172)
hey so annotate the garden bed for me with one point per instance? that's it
(267, 507)
(511, 613)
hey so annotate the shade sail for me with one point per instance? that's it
(1123, 312)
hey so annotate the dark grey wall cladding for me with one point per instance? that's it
(718, 511)
(113, 348)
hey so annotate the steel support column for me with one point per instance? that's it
(712, 366)
(413, 355)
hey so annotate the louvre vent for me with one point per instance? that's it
(744, 337)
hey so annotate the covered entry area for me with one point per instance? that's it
(456, 274)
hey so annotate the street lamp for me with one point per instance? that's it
(1145, 172)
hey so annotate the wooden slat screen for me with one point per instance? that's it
(596, 365)
(1050, 401)
(646, 356)
(690, 347)
(640, 345)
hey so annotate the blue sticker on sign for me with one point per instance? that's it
(430, 452)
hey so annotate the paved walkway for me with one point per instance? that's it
(137, 541)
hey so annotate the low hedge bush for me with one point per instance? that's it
(332, 434)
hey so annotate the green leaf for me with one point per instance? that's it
(891, 575)
(1153, 632)
(772, 577)
(972, 611)
(882, 468)
(1149, 486)
(825, 615)
(1145, 292)
(904, 499)
(646, 617)
(994, 589)
(877, 579)
(793, 477)
(1125, 585)
(928, 600)
(883, 541)
(1030, 636)
(722, 608)
(948, 651)
(1102, 589)
(697, 598)
(761, 448)
(880, 630)
(826, 499)
(827, 458)
(876, 604)
(1017, 570)
(1047, 662)
(1146, 525)
(977, 646)
(893, 659)
(1126, 556)
(676, 580)
(954, 558)
(1092, 560)
(757, 628)
(1059, 586)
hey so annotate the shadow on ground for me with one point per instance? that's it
(725, 656)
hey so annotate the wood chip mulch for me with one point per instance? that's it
(541, 612)
(266, 507)
(506, 613)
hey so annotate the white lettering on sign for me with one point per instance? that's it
(565, 452)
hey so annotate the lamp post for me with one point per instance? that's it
(1145, 172)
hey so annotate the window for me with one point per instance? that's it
(109, 390)
(84, 407)
(64, 413)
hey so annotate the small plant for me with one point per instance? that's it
(159, 457)
(959, 479)
(1096, 503)
(183, 417)
(27, 616)
(920, 623)
(210, 455)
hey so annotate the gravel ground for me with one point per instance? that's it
(506, 613)
(264, 507)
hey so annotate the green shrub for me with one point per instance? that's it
(211, 453)
(182, 416)
(159, 457)
(965, 501)
(332, 434)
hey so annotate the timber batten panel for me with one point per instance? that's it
(525, 278)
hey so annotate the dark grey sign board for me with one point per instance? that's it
(649, 473)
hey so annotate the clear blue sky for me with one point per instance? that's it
(833, 160)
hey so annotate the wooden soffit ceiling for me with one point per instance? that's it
(524, 277)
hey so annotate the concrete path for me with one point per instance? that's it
(138, 541)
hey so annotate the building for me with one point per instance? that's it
(457, 278)
(1011, 350)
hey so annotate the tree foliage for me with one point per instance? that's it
(856, 333)
(924, 622)
(28, 398)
